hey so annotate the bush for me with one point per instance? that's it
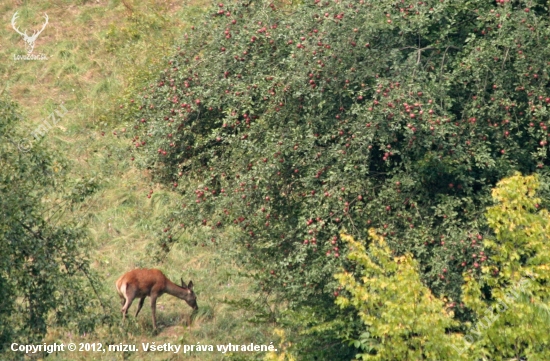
(403, 320)
(293, 124)
(511, 297)
(45, 278)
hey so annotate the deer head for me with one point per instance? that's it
(190, 298)
(29, 40)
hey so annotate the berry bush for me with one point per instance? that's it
(294, 123)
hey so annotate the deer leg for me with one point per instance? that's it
(129, 299)
(140, 305)
(154, 311)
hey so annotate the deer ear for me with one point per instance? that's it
(190, 285)
(182, 283)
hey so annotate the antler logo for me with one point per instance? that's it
(29, 40)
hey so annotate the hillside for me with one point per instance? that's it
(339, 179)
(97, 53)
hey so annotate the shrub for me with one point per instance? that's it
(511, 297)
(403, 320)
(45, 278)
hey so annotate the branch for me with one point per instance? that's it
(504, 60)
(85, 271)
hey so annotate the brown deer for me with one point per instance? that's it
(141, 283)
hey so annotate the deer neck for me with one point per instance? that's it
(175, 290)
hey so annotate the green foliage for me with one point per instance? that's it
(404, 320)
(297, 123)
(509, 301)
(513, 318)
(45, 278)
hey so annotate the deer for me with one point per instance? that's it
(29, 40)
(140, 283)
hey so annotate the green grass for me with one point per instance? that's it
(98, 53)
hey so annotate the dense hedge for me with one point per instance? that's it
(299, 123)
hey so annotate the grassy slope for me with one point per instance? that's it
(96, 50)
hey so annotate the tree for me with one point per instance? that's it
(45, 278)
(403, 320)
(511, 297)
(292, 124)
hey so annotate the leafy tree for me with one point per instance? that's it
(45, 278)
(511, 297)
(295, 123)
(404, 320)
